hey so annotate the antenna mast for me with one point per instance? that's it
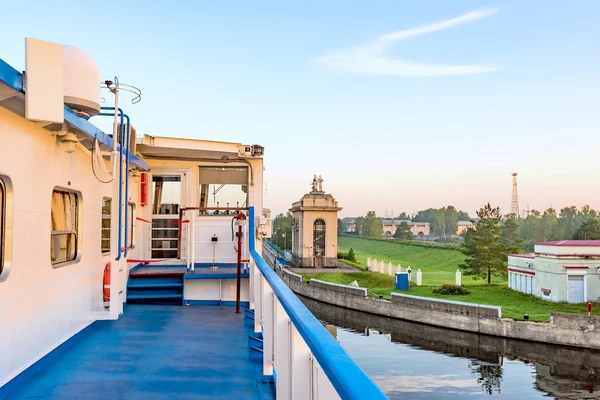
(514, 207)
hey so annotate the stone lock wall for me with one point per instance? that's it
(563, 329)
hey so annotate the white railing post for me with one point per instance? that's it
(390, 269)
(321, 385)
(267, 324)
(188, 250)
(281, 359)
(258, 296)
(193, 240)
(300, 359)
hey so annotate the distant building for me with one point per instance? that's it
(564, 270)
(419, 229)
(463, 226)
(351, 226)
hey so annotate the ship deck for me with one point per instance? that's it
(153, 352)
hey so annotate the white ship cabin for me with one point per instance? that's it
(131, 266)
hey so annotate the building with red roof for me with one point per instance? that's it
(560, 270)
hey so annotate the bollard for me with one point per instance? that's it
(458, 280)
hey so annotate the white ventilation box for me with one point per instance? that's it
(44, 81)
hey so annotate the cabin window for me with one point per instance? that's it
(65, 226)
(223, 187)
(106, 213)
(130, 225)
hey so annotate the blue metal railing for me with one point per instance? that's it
(348, 379)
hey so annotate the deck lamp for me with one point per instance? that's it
(69, 141)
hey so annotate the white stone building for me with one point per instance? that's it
(559, 271)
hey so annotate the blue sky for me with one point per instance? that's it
(347, 90)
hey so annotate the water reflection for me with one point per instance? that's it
(409, 360)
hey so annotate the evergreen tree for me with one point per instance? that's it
(482, 246)
(403, 231)
(509, 235)
(351, 255)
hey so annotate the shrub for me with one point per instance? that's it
(452, 289)
(351, 255)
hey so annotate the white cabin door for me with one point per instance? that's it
(575, 289)
(167, 192)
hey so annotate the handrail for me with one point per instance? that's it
(348, 379)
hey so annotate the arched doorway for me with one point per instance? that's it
(319, 242)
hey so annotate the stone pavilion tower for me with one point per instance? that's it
(314, 229)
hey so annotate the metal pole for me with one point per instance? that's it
(180, 223)
(239, 271)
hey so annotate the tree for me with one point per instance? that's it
(371, 226)
(341, 227)
(403, 231)
(282, 231)
(463, 216)
(351, 255)
(358, 225)
(589, 230)
(482, 246)
(547, 226)
(568, 221)
(403, 216)
(509, 235)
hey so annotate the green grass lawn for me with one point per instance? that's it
(437, 265)
(514, 304)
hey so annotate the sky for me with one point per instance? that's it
(398, 105)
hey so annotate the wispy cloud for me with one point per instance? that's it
(370, 58)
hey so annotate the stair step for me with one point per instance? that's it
(133, 296)
(155, 279)
(255, 342)
(256, 349)
(151, 284)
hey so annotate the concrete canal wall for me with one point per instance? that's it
(563, 329)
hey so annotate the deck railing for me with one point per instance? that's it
(306, 360)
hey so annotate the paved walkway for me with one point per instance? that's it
(155, 352)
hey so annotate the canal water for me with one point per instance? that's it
(414, 361)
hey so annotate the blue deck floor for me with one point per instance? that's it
(155, 352)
